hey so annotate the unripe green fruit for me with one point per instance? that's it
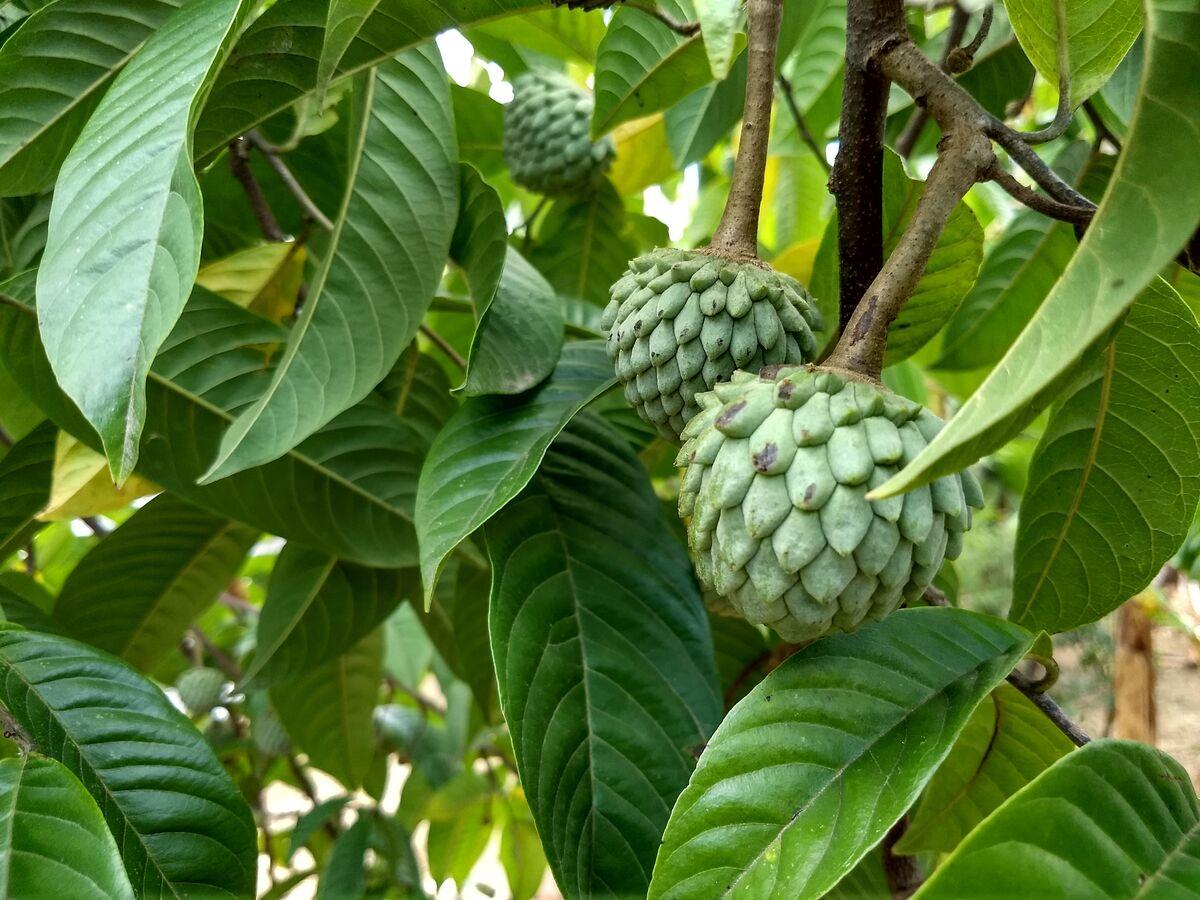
(681, 321)
(268, 733)
(547, 141)
(200, 689)
(778, 467)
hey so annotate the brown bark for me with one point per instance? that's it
(1135, 716)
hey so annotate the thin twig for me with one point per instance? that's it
(1103, 132)
(310, 791)
(445, 346)
(907, 141)
(1048, 206)
(985, 28)
(239, 162)
(902, 872)
(736, 236)
(275, 161)
(1049, 708)
(224, 663)
(687, 29)
(785, 88)
(526, 227)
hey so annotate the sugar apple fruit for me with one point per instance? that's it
(547, 144)
(778, 466)
(200, 689)
(680, 321)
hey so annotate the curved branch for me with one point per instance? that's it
(1065, 212)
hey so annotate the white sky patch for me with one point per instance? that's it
(675, 214)
(457, 55)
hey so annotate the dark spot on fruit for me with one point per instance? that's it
(730, 413)
(786, 389)
(808, 493)
(765, 458)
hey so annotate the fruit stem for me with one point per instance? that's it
(737, 235)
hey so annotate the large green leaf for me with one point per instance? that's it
(518, 338)
(1099, 34)
(718, 21)
(560, 33)
(490, 449)
(1127, 243)
(137, 591)
(342, 22)
(1116, 819)
(55, 72)
(317, 608)
(582, 248)
(328, 710)
(479, 121)
(603, 657)
(344, 877)
(182, 827)
(1116, 476)
(125, 226)
(696, 123)
(819, 51)
(811, 769)
(1017, 274)
(276, 60)
(26, 472)
(480, 236)
(387, 252)
(642, 66)
(25, 602)
(1005, 745)
(53, 840)
(456, 623)
(347, 489)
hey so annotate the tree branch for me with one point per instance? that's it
(687, 29)
(907, 141)
(239, 162)
(785, 88)
(1063, 114)
(857, 179)
(445, 346)
(1048, 206)
(736, 236)
(964, 154)
(289, 180)
(1049, 708)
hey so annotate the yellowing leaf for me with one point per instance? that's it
(797, 259)
(643, 155)
(262, 279)
(81, 484)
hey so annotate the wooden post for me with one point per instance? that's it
(1134, 714)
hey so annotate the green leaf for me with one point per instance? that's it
(581, 246)
(559, 33)
(519, 336)
(55, 73)
(26, 472)
(490, 449)
(642, 66)
(480, 236)
(1017, 274)
(137, 591)
(1116, 476)
(521, 853)
(262, 80)
(317, 608)
(25, 602)
(696, 123)
(1005, 745)
(348, 489)
(342, 22)
(718, 27)
(182, 827)
(1124, 248)
(379, 272)
(1099, 34)
(811, 769)
(456, 843)
(53, 840)
(457, 624)
(479, 121)
(344, 877)
(1116, 819)
(328, 710)
(603, 658)
(312, 821)
(866, 881)
(125, 226)
(820, 49)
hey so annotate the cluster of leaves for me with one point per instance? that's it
(264, 264)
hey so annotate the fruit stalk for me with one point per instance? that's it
(737, 235)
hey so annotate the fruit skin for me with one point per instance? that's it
(774, 496)
(200, 689)
(547, 141)
(680, 321)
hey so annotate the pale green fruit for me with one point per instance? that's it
(778, 467)
(681, 321)
(546, 135)
(200, 689)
